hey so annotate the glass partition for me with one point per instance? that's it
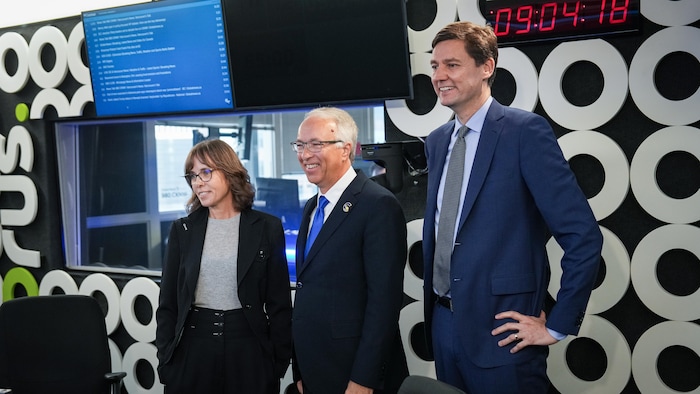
(121, 180)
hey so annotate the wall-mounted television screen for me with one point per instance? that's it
(158, 58)
(307, 53)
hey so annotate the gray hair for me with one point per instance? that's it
(346, 126)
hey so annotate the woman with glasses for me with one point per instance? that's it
(224, 315)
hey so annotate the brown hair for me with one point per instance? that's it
(219, 155)
(479, 42)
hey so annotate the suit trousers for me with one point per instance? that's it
(454, 367)
(219, 353)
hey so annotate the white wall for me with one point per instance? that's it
(19, 12)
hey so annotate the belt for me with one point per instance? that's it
(445, 301)
(212, 322)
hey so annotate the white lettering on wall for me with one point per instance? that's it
(17, 149)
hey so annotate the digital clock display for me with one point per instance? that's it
(516, 21)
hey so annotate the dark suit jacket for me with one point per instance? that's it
(349, 293)
(263, 283)
(521, 190)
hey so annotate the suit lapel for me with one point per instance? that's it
(342, 209)
(484, 155)
(303, 233)
(193, 229)
(250, 233)
(437, 154)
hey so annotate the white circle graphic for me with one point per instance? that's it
(615, 166)
(646, 284)
(649, 347)
(610, 63)
(57, 279)
(14, 42)
(50, 97)
(468, 10)
(135, 352)
(115, 356)
(616, 350)
(78, 69)
(81, 97)
(105, 285)
(139, 286)
(408, 122)
(421, 40)
(643, 174)
(412, 284)
(48, 35)
(411, 315)
(670, 12)
(643, 67)
(525, 74)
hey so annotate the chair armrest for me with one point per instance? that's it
(115, 376)
(115, 381)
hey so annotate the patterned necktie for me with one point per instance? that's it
(448, 215)
(316, 224)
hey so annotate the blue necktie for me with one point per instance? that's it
(316, 224)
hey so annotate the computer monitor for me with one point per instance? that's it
(160, 57)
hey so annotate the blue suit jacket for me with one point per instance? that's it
(520, 192)
(349, 293)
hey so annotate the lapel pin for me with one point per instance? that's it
(347, 206)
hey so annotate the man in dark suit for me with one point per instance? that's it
(486, 286)
(350, 278)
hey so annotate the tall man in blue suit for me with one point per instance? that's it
(350, 275)
(487, 272)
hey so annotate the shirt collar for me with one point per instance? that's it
(333, 194)
(476, 122)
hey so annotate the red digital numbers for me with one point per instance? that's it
(549, 11)
(524, 17)
(555, 16)
(569, 14)
(502, 26)
(616, 14)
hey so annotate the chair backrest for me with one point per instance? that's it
(416, 384)
(53, 344)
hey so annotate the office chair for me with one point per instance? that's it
(416, 384)
(55, 344)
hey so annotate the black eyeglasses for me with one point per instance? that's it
(204, 175)
(311, 146)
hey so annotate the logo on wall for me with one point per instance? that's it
(17, 150)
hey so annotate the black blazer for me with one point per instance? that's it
(349, 293)
(263, 282)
